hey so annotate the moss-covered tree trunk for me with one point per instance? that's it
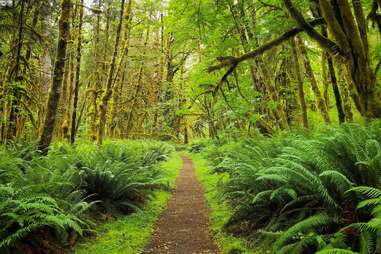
(335, 88)
(138, 88)
(350, 32)
(77, 75)
(99, 77)
(298, 76)
(348, 27)
(55, 89)
(110, 78)
(314, 85)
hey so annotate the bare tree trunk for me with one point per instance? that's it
(54, 94)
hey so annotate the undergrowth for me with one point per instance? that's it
(219, 212)
(129, 234)
(48, 202)
(304, 193)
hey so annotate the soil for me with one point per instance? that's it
(183, 227)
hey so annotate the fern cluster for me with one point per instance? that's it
(306, 193)
(61, 194)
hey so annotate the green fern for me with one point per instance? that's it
(336, 251)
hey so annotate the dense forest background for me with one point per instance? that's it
(179, 69)
(280, 100)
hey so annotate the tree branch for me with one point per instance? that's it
(229, 61)
(324, 42)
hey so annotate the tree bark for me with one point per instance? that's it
(77, 76)
(139, 86)
(12, 75)
(314, 85)
(108, 93)
(98, 81)
(302, 100)
(350, 33)
(335, 89)
(54, 94)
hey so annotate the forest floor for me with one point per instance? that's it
(184, 226)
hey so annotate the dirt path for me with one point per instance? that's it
(183, 228)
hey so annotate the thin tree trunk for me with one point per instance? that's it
(77, 75)
(332, 74)
(314, 85)
(54, 94)
(138, 87)
(335, 89)
(155, 127)
(13, 74)
(108, 92)
(98, 82)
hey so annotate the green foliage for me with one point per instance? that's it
(22, 213)
(129, 234)
(59, 194)
(306, 192)
(219, 212)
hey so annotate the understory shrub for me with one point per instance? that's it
(306, 193)
(61, 194)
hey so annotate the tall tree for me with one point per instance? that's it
(54, 94)
(302, 100)
(110, 80)
(77, 75)
(322, 106)
(349, 31)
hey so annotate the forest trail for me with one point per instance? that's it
(183, 228)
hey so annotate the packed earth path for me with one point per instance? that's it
(184, 227)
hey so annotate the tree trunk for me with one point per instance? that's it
(349, 30)
(54, 94)
(12, 75)
(343, 86)
(139, 86)
(186, 138)
(98, 82)
(107, 95)
(302, 100)
(335, 89)
(77, 75)
(65, 110)
(314, 85)
(332, 74)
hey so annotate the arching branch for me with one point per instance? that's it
(230, 61)
(324, 42)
